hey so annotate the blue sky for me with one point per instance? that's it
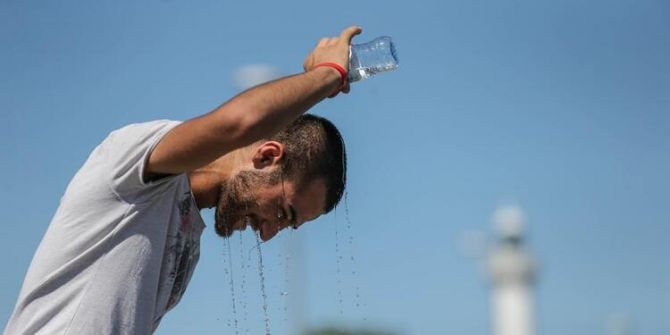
(561, 107)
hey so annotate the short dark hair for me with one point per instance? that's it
(314, 148)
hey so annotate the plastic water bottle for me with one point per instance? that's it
(368, 59)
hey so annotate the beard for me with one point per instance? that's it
(237, 199)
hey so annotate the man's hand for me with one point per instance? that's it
(252, 115)
(333, 49)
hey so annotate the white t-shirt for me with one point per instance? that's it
(119, 251)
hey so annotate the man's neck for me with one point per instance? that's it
(206, 181)
(205, 185)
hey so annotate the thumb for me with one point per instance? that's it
(349, 33)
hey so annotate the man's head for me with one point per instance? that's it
(297, 175)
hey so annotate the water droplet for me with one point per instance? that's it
(263, 292)
(243, 286)
(232, 284)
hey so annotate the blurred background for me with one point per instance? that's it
(557, 112)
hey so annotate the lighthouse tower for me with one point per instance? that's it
(512, 272)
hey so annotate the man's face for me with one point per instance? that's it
(266, 203)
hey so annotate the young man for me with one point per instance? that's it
(123, 244)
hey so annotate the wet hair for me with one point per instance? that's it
(313, 149)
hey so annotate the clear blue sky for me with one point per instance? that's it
(562, 107)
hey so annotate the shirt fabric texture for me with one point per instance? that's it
(119, 252)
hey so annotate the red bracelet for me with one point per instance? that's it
(340, 69)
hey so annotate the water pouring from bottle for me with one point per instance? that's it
(368, 59)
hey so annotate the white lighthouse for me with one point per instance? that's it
(512, 272)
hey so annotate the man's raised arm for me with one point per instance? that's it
(256, 113)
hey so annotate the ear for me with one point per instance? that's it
(268, 154)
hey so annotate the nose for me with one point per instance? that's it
(272, 227)
(269, 230)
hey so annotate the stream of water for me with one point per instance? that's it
(264, 294)
(232, 286)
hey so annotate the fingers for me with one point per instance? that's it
(346, 36)
(349, 33)
(323, 42)
(327, 41)
(334, 49)
(346, 88)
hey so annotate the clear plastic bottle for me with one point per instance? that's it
(368, 59)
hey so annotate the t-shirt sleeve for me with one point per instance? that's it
(126, 152)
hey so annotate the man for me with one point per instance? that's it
(123, 244)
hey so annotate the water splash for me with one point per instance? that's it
(243, 286)
(232, 286)
(338, 275)
(353, 264)
(287, 270)
(263, 291)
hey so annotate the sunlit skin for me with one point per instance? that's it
(230, 165)
(217, 148)
(278, 208)
(268, 208)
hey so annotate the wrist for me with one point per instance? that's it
(336, 72)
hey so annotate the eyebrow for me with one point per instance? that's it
(294, 215)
